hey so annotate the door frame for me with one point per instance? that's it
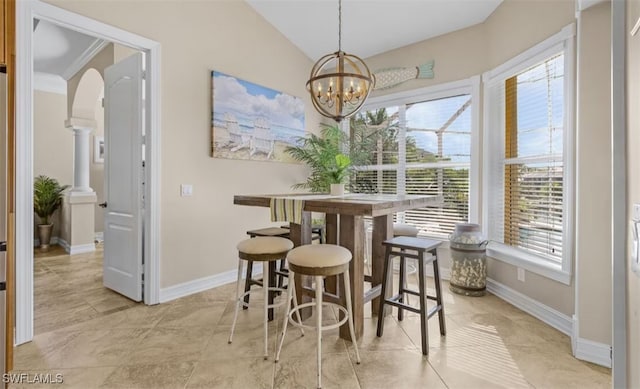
(25, 12)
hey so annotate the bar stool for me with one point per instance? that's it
(280, 271)
(265, 249)
(319, 261)
(273, 266)
(421, 246)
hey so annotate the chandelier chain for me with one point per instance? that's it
(339, 25)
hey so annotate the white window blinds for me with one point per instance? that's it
(422, 148)
(528, 176)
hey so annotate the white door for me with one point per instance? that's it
(123, 115)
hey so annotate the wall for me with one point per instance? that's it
(593, 206)
(633, 191)
(514, 27)
(52, 143)
(199, 233)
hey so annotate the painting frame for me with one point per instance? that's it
(253, 122)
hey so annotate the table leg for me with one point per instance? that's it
(352, 237)
(300, 234)
(382, 230)
(331, 234)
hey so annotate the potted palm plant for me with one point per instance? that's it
(323, 155)
(47, 198)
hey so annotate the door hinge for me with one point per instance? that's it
(3, 246)
(144, 74)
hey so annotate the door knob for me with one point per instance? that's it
(103, 205)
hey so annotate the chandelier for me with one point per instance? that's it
(339, 82)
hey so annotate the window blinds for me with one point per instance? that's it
(530, 207)
(421, 148)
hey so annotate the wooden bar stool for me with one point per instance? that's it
(265, 249)
(421, 246)
(319, 261)
(273, 266)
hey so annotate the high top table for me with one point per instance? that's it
(348, 213)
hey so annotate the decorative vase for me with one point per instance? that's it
(44, 233)
(337, 189)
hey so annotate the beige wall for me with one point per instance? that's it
(514, 27)
(52, 143)
(633, 191)
(199, 233)
(593, 152)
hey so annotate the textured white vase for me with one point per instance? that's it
(337, 189)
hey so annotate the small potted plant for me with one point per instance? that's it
(47, 198)
(323, 155)
(339, 173)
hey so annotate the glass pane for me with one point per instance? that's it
(439, 130)
(533, 221)
(374, 136)
(540, 109)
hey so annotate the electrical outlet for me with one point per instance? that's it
(636, 211)
(520, 274)
(186, 190)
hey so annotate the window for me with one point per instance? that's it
(528, 158)
(420, 144)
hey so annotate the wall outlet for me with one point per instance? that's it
(520, 274)
(186, 190)
(636, 211)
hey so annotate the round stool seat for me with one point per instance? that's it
(400, 229)
(264, 248)
(319, 259)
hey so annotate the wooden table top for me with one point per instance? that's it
(349, 204)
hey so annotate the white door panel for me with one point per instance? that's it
(123, 177)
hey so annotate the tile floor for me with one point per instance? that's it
(98, 339)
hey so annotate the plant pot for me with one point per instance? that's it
(337, 189)
(44, 234)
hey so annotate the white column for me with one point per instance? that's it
(81, 161)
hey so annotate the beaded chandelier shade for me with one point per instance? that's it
(339, 83)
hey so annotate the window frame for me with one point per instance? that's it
(469, 86)
(493, 150)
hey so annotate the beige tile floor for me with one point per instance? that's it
(97, 339)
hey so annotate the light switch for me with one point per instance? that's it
(186, 190)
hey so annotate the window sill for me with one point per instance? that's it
(528, 262)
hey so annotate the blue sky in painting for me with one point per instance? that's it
(247, 102)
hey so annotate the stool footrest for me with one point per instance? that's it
(409, 291)
(394, 300)
(434, 310)
(372, 293)
(270, 289)
(337, 324)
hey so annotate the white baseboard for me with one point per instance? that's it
(555, 319)
(202, 284)
(594, 352)
(588, 350)
(77, 249)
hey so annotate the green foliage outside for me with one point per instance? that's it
(377, 133)
(47, 197)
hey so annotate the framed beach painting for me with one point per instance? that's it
(253, 122)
